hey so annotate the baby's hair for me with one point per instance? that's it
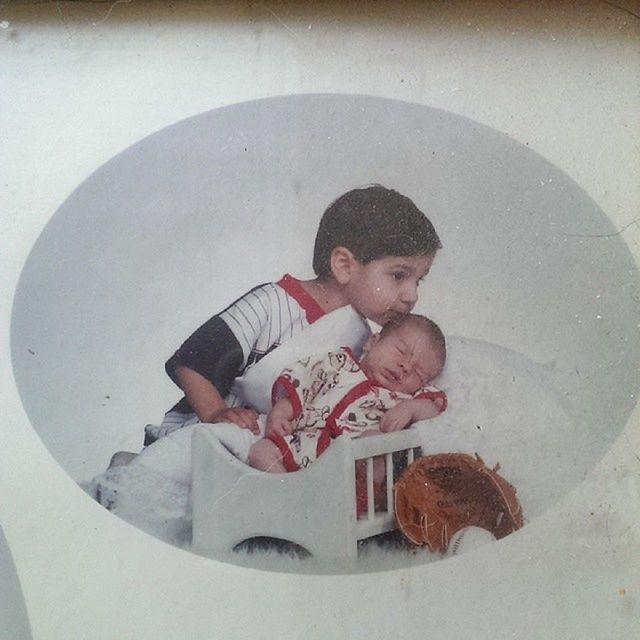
(428, 327)
(373, 222)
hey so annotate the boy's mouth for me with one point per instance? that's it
(396, 314)
(391, 316)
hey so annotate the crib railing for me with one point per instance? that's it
(314, 508)
(396, 450)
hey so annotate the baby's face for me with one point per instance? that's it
(403, 360)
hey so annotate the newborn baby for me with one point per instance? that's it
(322, 397)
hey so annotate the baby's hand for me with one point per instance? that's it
(397, 418)
(278, 426)
(280, 419)
(244, 418)
(403, 414)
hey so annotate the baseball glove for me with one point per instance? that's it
(438, 495)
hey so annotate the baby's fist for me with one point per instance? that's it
(280, 419)
(397, 418)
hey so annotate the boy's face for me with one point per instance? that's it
(403, 360)
(385, 288)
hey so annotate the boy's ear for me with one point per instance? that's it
(342, 263)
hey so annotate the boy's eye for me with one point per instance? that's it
(399, 275)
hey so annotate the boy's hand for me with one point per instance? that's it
(209, 405)
(397, 418)
(240, 416)
(280, 419)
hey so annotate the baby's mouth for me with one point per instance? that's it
(390, 375)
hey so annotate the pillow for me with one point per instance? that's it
(344, 327)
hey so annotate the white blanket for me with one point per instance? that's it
(499, 407)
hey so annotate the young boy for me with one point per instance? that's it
(372, 249)
(320, 398)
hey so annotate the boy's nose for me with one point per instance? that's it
(409, 294)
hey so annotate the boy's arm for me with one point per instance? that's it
(207, 363)
(213, 351)
(208, 404)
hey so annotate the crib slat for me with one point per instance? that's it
(371, 509)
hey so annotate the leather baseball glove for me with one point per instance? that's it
(439, 495)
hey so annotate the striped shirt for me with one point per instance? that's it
(230, 342)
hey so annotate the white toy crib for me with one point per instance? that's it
(314, 508)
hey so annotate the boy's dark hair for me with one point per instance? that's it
(373, 222)
(430, 329)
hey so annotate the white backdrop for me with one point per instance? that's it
(177, 226)
(85, 82)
